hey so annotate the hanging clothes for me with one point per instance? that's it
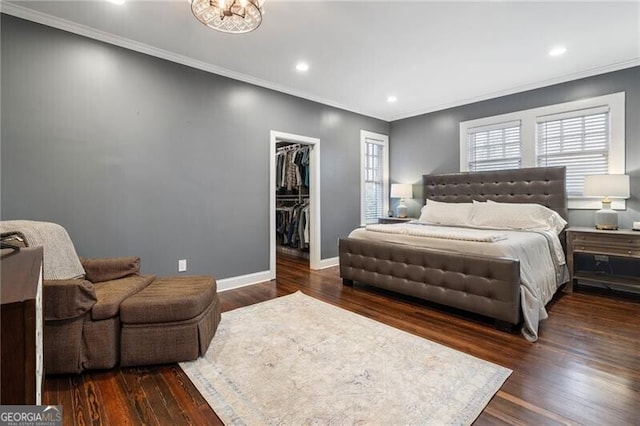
(292, 167)
(292, 195)
(292, 225)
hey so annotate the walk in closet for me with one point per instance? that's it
(292, 198)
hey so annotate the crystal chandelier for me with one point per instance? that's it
(229, 16)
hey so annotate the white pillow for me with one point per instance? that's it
(528, 216)
(450, 214)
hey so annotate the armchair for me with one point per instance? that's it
(101, 312)
(81, 316)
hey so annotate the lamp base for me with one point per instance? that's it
(606, 219)
(607, 227)
(401, 210)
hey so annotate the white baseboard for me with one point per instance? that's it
(328, 263)
(243, 280)
(263, 276)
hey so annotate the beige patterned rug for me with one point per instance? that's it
(296, 360)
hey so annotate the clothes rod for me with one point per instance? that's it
(289, 147)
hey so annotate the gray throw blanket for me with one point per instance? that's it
(61, 261)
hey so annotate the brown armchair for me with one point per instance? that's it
(81, 316)
(101, 312)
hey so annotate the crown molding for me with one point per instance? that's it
(85, 31)
(519, 89)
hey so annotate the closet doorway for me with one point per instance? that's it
(313, 144)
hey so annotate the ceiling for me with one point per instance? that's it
(430, 55)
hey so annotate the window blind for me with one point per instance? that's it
(579, 141)
(374, 181)
(494, 147)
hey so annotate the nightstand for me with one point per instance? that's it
(621, 243)
(395, 219)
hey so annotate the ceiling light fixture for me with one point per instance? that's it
(229, 16)
(391, 99)
(118, 2)
(557, 51)
(302, 66)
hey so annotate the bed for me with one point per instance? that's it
(486, 284)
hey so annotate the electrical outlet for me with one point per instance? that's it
(601, 258)
(182, 265)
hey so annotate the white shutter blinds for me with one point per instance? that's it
(579, 141)
(494, 147)
(374, 181)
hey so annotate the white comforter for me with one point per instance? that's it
(538, 271)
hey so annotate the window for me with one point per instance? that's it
(374, 162)
(579, 141)
(586, 136)
(494, 147)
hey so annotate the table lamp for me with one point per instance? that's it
(607, 186)
(402, 191)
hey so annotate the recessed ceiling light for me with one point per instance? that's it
(117, 1)
(391, 99)
(557, 51)
(302, 66)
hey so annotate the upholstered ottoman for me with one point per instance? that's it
(173, 319)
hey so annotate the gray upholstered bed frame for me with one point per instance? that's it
(481, 284)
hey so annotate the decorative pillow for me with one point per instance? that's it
(107, 269)
(529, 216)
(451, 214)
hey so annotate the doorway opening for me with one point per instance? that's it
(305, 200)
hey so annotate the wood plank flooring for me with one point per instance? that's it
(585, 369)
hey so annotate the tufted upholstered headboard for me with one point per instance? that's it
(542, 185)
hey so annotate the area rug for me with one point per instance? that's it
(296, 360)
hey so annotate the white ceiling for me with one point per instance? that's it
(431, 55)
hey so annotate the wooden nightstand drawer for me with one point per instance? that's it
(622, 241)
(610, 250)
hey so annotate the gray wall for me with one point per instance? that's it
(429, 143)
(135, 155)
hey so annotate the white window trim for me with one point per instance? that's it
(616, 104)
(384, 141)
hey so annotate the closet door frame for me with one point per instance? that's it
(314, 197)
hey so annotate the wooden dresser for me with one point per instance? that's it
(21, 327)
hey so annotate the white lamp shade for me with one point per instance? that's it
(401, 190)
(613, 186)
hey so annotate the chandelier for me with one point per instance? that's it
(229, 16)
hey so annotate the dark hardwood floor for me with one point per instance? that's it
(585, 369)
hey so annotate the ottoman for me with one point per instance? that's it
(172, 319)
